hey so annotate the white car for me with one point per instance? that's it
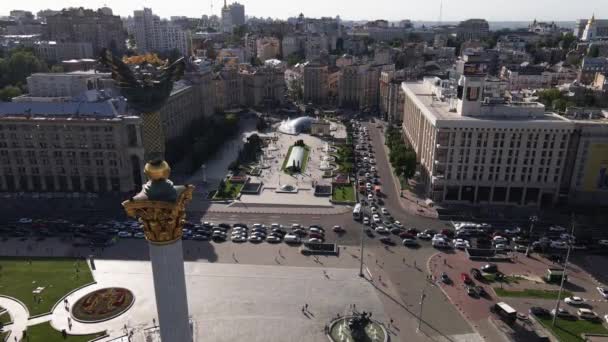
(382, 230)
(275, 226)
(440, 243)
(255, 238)
(124, 234)
(25, 220)
(500, 239)
(377, 218)
(603, 242)
(291, 238)
(370, 197)
(520, 248)
(374, 210)
(398, 224)
(557, 229)
(384, 211)
(440, 237)
(316, 230)
(461, 244)
(603, 291)
(424, 236)
(273, 239)
(139, 235)
(559, 244)
(574, 300)
(239, 238)
(587, 314)
(295, 226)
(366, 221)
(372, 169)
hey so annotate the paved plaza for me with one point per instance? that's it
(264, 302)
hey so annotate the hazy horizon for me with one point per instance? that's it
(492, 10)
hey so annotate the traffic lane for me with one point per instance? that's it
(406, 267)
(389, 189)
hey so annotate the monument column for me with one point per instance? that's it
(170, 290)
(161, 208)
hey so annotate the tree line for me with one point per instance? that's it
(401, 157)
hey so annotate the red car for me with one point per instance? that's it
(466, 279)
(316, 236)
(406, 235)
(412, 231)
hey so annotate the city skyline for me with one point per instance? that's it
(518, 10)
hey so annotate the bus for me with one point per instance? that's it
(505, 311)
(357, 212)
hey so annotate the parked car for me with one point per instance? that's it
(587, 314)
(481, 292)
(338, 229)
(476, 274)
(424, 236)
(466, 279)
(603, 291)
(563, 313)
(409, 242)
(291, 238)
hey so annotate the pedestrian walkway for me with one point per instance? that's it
(19, 315)
(251, 208)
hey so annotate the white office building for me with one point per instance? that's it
(153, 34)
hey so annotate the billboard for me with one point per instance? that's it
(475, 69)
(596, 168)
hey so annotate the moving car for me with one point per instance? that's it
(574, 300)
(387, 241)
(489, 268)
(603, 291)
(445, 278)
(539, 312)
(338, 229)
(563, 313)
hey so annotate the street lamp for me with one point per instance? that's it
(361, 255)
(422, 297)
(561, 286)
(533, 220)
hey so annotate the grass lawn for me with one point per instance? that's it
(230, 191)
(343, 193)
(5, 318)
(570, 331)
(285, 168)
(43, 332)
(531, 293)
(491, 277)
(57, 276)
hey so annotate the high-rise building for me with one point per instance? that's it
(268, 48)
(233, 15)
(153, 34)
(473, 29)
(100, 28)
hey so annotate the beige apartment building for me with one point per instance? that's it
(69, 147)
(477, 151)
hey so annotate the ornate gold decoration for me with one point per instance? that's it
(157, 172)
(162, 221)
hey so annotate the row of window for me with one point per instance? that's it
(55, 128)
(58, 170)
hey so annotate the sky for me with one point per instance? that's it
(453, 10)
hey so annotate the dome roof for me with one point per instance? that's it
(296, 126)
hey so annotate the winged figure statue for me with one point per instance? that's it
(146, 86)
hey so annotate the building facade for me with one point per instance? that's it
(316, 86)
(99, 28)
(69, 147)
(391, 95)
(590, 66)
(59, 51)
(473, 29)
(153, 34)
(475, 152)
(268, 48)
(263, 86)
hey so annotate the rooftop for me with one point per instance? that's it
(98, 110)
(439, 110)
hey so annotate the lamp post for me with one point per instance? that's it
(361, 255)
(533, 220)
(561, 286)
(422, 297)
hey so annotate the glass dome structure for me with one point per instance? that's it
(296, 126)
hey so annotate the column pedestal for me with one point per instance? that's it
(170, 290)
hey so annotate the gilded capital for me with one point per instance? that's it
(162, 221)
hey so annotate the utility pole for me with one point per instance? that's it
(533, 219)
(422, 296)
(361, 254)
(561, 286)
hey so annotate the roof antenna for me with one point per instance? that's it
(440, 12)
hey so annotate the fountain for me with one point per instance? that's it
(358, 327)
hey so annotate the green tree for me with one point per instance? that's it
(594, 51)
(8, 92)
(22, 64)
(547, 97)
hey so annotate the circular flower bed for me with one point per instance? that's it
(102, 304)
